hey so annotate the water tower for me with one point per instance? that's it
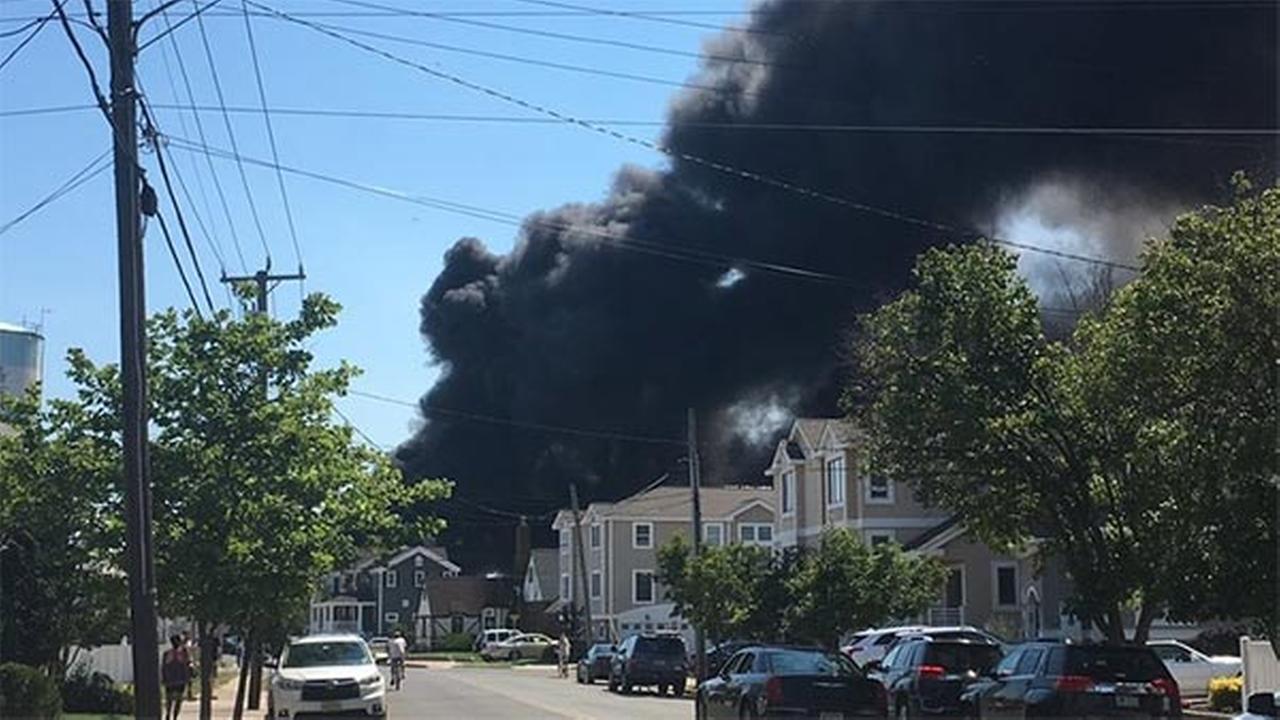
(21, 358)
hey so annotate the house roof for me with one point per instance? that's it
(545, 563)
(718, 503)
(937, 536)
(810, 429)
(435, 554)
(466, 595)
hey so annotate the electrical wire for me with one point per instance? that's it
(357, 429)
(718, 166)
(39, 25)
(226, 119)
(88, 172)
(173, 253)
(271, 136)
(651, 17)
(170, 28)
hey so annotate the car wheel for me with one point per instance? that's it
(662, 689)
(613, 684)
(514, 656)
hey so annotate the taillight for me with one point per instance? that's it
(1074, 684)
(931, 672)
(1169, 688)
(773, 691)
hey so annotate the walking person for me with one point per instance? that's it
(397, 649)
(175, 673)
(190, 647)
(562, 654)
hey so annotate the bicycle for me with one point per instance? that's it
(397, 673)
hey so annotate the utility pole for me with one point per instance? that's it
(700, 638)
(262, 280)
(133, 348)
(582, 561)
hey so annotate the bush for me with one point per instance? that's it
(86, 692)
(27, 692)
(1224, 693)
(456, 642)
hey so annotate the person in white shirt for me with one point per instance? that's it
(396, 651)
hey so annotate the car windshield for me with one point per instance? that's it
(660, 646)
(963, 657)
(602, 649)
(802, 662)
(1115, 664)
(318, 654)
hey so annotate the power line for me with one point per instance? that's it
(226, 119)
(217, 184)
(357, 429)
(173, 253)
(428, 409)
(651, 17)
(271, 136)
(716, 165)
(88, 172)
(170, 28)
(39, 25)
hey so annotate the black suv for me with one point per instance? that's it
(1051, 679)
(927, 676)
(657, 660)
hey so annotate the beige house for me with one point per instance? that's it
(820, 482)
(621, 541)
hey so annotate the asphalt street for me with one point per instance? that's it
(478, 693)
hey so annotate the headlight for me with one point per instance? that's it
(371, 681)
(286, 684)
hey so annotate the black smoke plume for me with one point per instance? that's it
(570, 329)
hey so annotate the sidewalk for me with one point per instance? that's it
(224, 698)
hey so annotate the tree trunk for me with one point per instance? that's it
(246, 643)
(1114, 626)
(208, 664)
(1146, 615)
(255, 674)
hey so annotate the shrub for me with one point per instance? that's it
(456, 642)
(26, 691)
(87, 692)
(1224, 693)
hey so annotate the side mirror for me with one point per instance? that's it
(1263, 703)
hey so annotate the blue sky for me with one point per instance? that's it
(375, 255)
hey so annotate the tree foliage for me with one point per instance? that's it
(1139, 449)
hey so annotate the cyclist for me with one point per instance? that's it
(396, 650)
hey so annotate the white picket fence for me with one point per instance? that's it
(115, 661)
(1261, 668)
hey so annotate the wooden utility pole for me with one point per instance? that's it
(252, 652)
(133, 348)
(700, 638)
(582, 562)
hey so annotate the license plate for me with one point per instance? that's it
(330, 706)
(1126, 701)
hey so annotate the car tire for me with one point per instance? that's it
(661, 689)
(514, 656)
(613, 684)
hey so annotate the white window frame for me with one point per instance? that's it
(835, 490)
(788, 492)
(391, 617)
(874, 535)
(596, 536)
(635, 586)
(996, 567)
(597, 585)
(419, 578)
(392, 578)
(755, 534)
(706, 535)
(635, 536)
(565, 541)
(887, 499)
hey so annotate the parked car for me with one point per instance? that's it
(1053, 679)
(954, 632)
(493, 636)
(657, 660)
(326, 674)
(380, 647)
(1192, 668)
(928, 676)
(872, 644)
(521, 646)
(594, 664)
(717, 655)
(774, 681)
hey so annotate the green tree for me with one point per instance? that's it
(725, 590)
(60, 530)
(1139, 449)
(844, 585)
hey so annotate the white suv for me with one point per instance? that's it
(327, 674)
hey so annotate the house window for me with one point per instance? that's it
(564, 587)
(404, 602)
(835, 482)
(642, 535)
(337, 584)
(392, 618)
(419, 561)
(953, 593)
(564, 542)
(879, 490)
(1006, 579)
(490, 618)
(788, 492)
(596, 584)
(595, 537)
(393, 578)
(880, 538)
(419, 578)
(755, 534)
(457, 624)
(642, 587)
(713, 534)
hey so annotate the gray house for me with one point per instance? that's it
(374, 598)
(461, 605)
